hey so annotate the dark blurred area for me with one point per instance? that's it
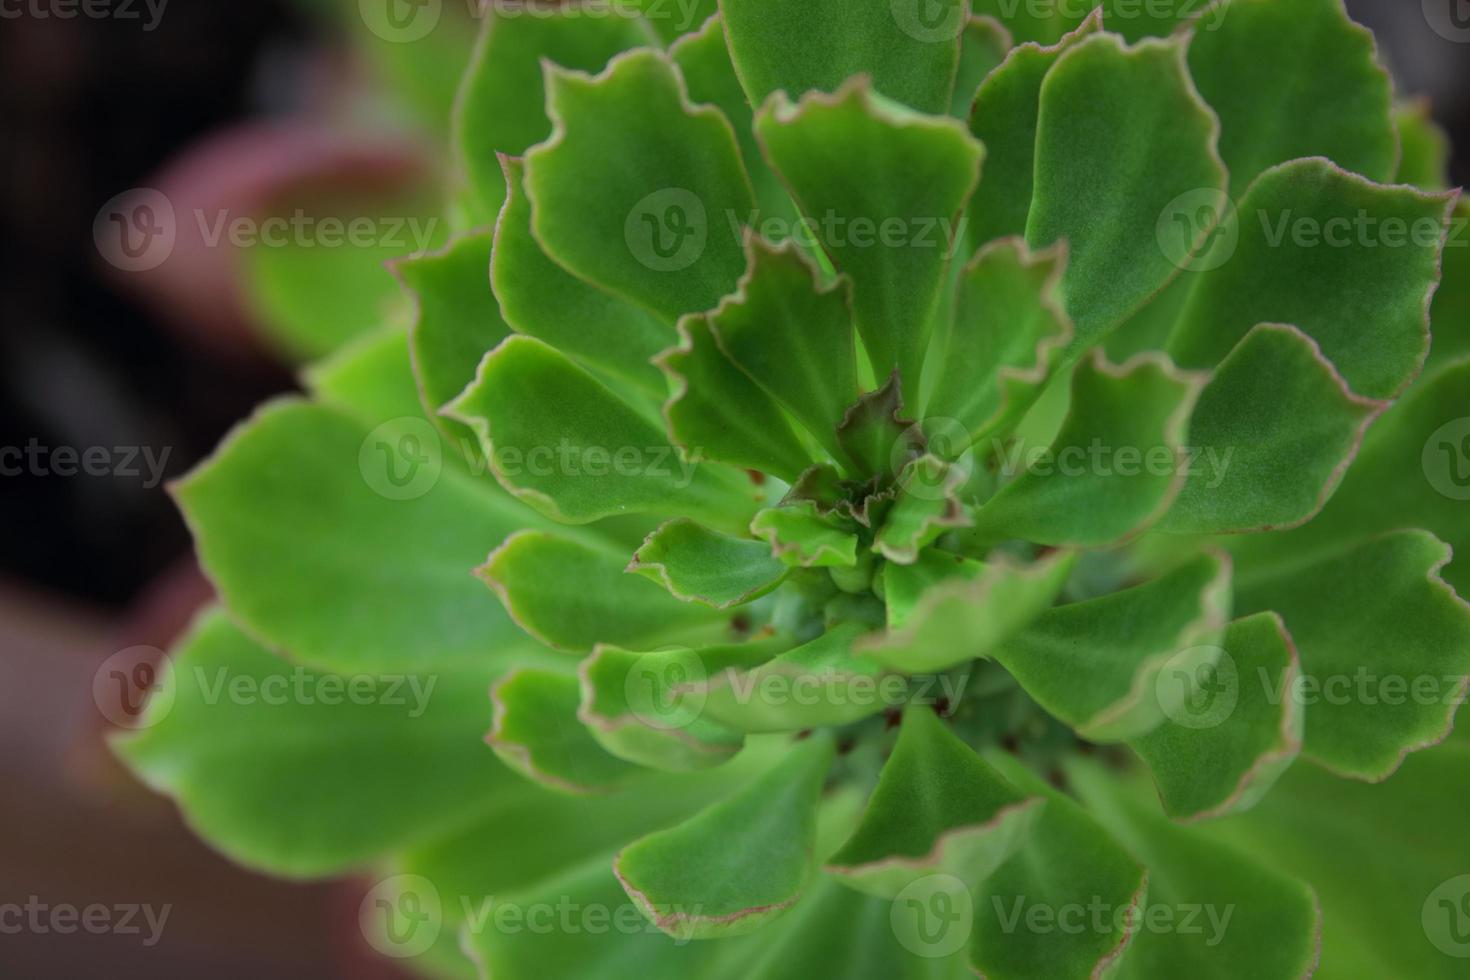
(89, 107)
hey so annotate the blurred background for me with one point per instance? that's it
(120, 373)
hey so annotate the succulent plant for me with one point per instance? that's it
(966, 492)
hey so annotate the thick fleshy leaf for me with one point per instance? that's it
(793, 336)
(644, 707)
(1235, 735)
(1004, 118)
(739, 863)
(536, 732)
(1241, 909)
(458, 319)
(927, 505)
(1384, 645)
(938, 809)
(983, 46)
(1351, 263)
(1009, 328)
(1116, 667)
(967, 615)
(696, 564)
(1094, 156)
(1414, 471)
(1424, 159)
(563, 442)
(819, 684)
(850, 160)
(368, 763)
(502, 103)
(542, 300)
(1255, 62)
(803, 537)
(704, 59)
(910, 51)
(572, 595)
(715, 411)
(653, 228)
(291, 518)
(1068, 863)
(1115, 466)
(1391, 909)
(1450, 313)
(1274, 432)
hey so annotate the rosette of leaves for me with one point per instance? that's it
(939, 478)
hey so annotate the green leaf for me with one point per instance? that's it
(793, 336)
(536, 732)
(910, 51)
(563, 442)
(1095, 155)
(294, 512)
(1411, 472)
(968, 617)
(368, 763)
(802, 537)
(1035, 23)
(1004, 118)
(1236, 734)
(571, 595)
(1115, 466)
(927, 505)
(739, 863)
(938, 809)
(884, 189)
(1450, 313)
(651, 228)
(715, 411)
(372, 380)
(876, 437)
(673, 20)
(543, 300)
(457, 318)
(502, 101)
(1115, 667)
(1274, 432)
(1425, 147)
(983, 46)
(696, 564)
(644, 707)
(1009, 327)
(1256, 64)
(1384, 645)
(1353, 264)
(1244, 911)
(1068, 863)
